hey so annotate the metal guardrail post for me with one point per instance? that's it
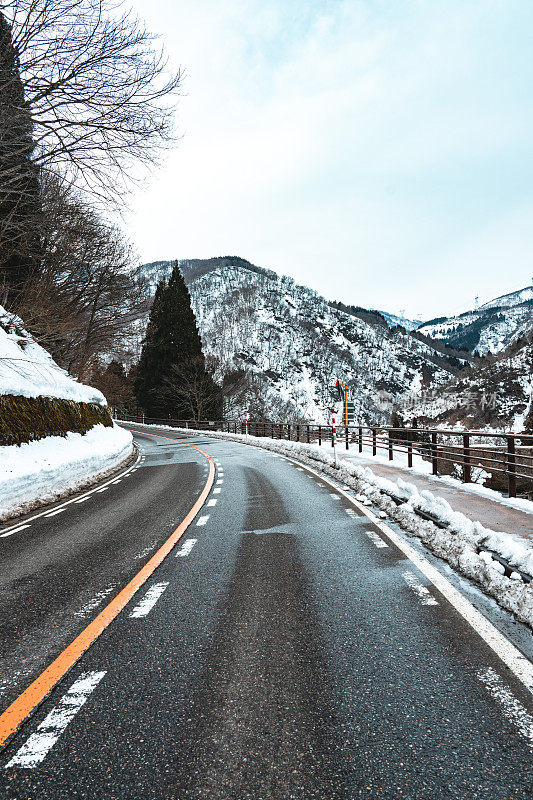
(320, 435)
(391, 447)
(374, 442)
(360, 440)
(308, 435)
(467, 469)
(434, 454)
(409, 449)
(347, 434)
(511, 466)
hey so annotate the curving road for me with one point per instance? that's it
(285, 648)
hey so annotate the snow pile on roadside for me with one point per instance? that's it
(458, 543)
(27, 369)
(42, 471)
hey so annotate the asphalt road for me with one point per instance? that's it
(285, 648)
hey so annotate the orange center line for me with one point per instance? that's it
(33, 696)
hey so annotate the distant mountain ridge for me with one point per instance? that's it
(293, 344)
(491, 328)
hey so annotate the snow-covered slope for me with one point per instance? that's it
(490, 328)
(27, 369)
(497, 394)
(512, 299)
(408, 324)
(293, 344)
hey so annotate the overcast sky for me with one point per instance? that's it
(379, 151)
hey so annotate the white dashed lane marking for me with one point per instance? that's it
(149, 600)
(83, 500)
(421, 591)
(217, 490)
(512, 708)
(186, 548)
(202, 520)
(48, 732)
(378, 541)
(54, 513)
(212, 502)
(335, 496)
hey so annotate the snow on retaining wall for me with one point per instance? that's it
(27, 369)
(42, 471)
(457, 543)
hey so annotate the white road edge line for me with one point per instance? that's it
(512, 708)
(149, 600)
(519, 665)
(202, 520)
(186, 548)
(14, 530)
(36, 747)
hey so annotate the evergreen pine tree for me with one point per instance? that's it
(172, 356)
(19, 184)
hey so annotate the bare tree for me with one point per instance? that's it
(192, 389)
(96, 87)
(86, 296)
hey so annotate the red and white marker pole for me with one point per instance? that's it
(333, 428)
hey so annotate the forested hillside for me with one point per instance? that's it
(289, 345)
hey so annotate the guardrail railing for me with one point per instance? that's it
(505, 460)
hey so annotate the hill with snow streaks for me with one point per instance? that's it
(292, 344)
(497, 394)
(488, 329)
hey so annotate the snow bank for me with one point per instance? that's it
(458, 543)
(27, 369)
(42, 471)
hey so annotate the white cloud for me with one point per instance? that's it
(385, 148)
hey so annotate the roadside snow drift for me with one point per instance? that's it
(42, 471)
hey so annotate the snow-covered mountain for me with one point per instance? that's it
(495, 394)
(293, 344)
(488, 329)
